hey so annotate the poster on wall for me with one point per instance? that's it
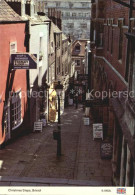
(97, 130)
(106, 150)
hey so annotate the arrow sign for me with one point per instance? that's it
(23, 61)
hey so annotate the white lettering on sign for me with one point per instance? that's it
(21, 62)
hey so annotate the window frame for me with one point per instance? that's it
(13, 43)
(76, 61)
(16, 110)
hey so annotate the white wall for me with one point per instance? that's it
(36, 32)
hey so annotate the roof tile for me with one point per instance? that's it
(7, 13)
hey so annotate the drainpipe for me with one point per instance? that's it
(128, 45)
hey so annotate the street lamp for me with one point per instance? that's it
(58, 89)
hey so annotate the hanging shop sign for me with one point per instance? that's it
(106, 150)
(23, 61)
(97, 130)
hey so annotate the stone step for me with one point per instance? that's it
(30, 181)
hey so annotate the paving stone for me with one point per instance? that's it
(4, 183)
(34, 155)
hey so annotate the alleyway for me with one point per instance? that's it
(34, 155)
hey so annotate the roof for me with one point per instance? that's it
(37, 19)
(7, 13)
(82, 43)
(44, 18)
(56, 29)
(64, 37)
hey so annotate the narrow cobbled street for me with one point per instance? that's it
(33, 157)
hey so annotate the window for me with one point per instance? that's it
(94, 35)
(40, 49)
(13, 47)
(77, 62)
(70, 25)
(16, 110)
(84, 25)
(101, 39)
(57, 4)
(86, 14)
(108, 39)
(74, 15)
(120, 40)
(67, 14)
(77, 48)
(70, 5)
(112, 41)
(78, 72)
(84, 4)
(80, 14)
(6, 122)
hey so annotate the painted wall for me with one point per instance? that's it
(38, 39)
(11, 33)
(36, 32)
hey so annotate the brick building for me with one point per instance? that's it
(13, 83)
(78, 55)
(112, 46)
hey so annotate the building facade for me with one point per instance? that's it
(112, 78)
(75, 16)
(78, 55)
(37, 43)
(13, 83)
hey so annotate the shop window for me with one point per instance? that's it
(16, 110)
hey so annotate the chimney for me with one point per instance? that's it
(59, 20)
(23, 2)
(17, 6)
(32, 8)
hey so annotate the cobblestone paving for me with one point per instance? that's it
(34, 155)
